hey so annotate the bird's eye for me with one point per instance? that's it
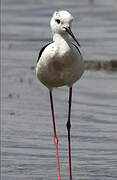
(58, 21)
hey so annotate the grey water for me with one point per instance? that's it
(27, 146)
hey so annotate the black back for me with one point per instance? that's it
(41, 51)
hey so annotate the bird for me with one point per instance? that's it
(60, 63)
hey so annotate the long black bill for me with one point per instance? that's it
(70, 32)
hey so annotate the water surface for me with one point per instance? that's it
(28, 150)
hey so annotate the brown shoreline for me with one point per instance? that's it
(101, 65)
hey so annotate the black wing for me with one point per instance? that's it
(77, 48)
(41, 51)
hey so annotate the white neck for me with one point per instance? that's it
(62, 43)
(61, 38)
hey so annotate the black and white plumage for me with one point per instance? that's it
(41, 51)
(60, 63)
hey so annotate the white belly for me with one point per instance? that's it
(56, 73)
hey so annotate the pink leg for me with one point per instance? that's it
(68, 128)
(55, 137)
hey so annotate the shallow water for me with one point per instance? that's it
(28, 150)
(94, 25)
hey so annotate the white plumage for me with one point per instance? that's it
(60, 62)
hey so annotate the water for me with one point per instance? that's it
(28, 151)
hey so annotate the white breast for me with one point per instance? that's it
(59, 67)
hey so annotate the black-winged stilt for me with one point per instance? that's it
(60, 63)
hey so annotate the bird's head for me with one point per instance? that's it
(61, 23)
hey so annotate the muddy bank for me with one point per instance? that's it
(101, 65)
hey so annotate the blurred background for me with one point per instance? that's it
(28, 151)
